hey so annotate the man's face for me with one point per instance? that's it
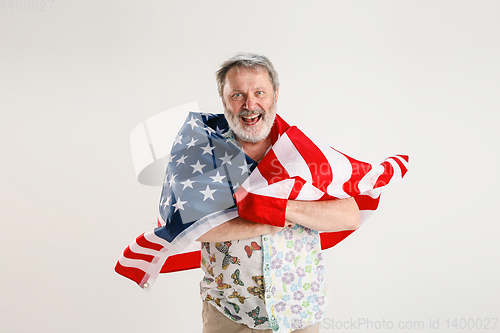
(249, 103)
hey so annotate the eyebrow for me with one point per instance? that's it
(256, 88)
(260, 88)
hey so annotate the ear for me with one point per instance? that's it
(276, 94)
(223, 102)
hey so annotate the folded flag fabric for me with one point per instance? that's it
(203, 189)
(204, 170)
(299, 168)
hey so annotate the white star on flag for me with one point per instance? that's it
(219, 130)
(244, 168)
(226, 158)
(179, 205)
(198, 166)
(208, 149)
(192, 143)
(188, 183)
(217, 178)
(208, 193)
(178, 139)
(167, 202)
(192, 122)
(171, 181)
(206, 114)
(181, 160)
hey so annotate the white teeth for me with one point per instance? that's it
(251, 117)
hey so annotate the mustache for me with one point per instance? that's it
(254, 112)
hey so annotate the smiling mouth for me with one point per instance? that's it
(251, 120)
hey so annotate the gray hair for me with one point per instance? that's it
(246, 60)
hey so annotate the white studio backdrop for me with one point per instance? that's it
(370, 78)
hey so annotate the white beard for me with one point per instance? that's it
(252, 134)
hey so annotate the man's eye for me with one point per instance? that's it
(260, 93)
(236, 95)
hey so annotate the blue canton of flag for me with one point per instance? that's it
(204, 169)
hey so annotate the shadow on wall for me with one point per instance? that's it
(151, 142)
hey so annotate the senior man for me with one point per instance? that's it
(260, 277)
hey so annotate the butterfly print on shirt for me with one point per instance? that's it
(236, 277)
(210, 270)
(259, 290)
(228, 259)
(252, 247)
(210, 298)
(254, 314)
(220, 284)
(238, 296)
(206, 245)
(232, 316)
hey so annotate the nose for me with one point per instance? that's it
(250, 102)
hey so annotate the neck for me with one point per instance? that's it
(256, 151)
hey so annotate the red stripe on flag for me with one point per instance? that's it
(359, 170)
(330, 239)
(327, 196)
(319, 167)
(405, 157)
(297, 186)
(365, 202)
(129, 254)
(272, 169)
(132, 273)
(279, 127)
(386, 176)
(143, 242)
(271, 210)
(401, 165)
(182, 262)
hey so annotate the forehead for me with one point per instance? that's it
(247, 78)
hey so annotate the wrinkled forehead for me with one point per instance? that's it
(242, 74)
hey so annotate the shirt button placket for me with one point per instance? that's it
(268, 280)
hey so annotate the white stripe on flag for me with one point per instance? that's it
(134, 247)
(309, 193)
(341, 170)
(403, 161)
(375, 193)
(254, 182)
(151, 236)
(135, 263)
(397, 169)
(368, 181)
(291, 159)
(280, 190)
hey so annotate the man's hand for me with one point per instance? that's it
(325, 215)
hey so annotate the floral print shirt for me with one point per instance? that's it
(267, 282)
(294, 277)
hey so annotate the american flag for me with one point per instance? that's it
(298, 168)
(205, 170)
